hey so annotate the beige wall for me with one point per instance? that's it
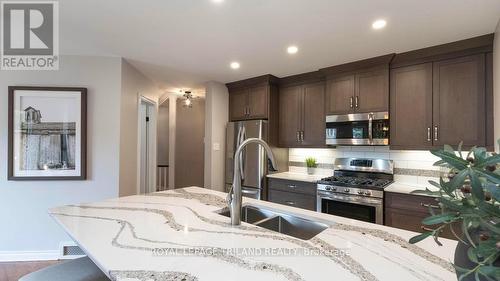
(189, 155)
(216, 118)
(133, 85)
(28, 231)
(496, 83)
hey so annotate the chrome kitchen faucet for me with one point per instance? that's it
(234, 198)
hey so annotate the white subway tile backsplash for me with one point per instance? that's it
(422, 165)
(403, 159)
(353, 154)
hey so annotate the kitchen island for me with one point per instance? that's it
(180, 235)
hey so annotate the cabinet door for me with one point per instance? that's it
(313, 119)
(459, 101)
(340, 95)
(372, 91)
(289, 115)
(258, 102)
(411, 107)
(238, 101)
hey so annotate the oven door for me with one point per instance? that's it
(362, 208)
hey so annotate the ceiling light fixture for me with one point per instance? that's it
(292, 50)
(188, 99)
(235, 65)
(379, 24)
(217, 1)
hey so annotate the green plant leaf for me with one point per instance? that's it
(441, 218)
(479, 154)
(471, 254)
(494, 190)
(490, 271)
(452, 159)
(477, 186)
(492, 160)
(420, 237)
(449, 149)
(488, 175)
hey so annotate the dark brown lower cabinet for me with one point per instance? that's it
(292, 193)
(406, 211)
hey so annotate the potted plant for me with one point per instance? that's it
(311, 165)
(469, 196)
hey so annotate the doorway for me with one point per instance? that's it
(147, 146)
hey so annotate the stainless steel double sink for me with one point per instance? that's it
(287, 224)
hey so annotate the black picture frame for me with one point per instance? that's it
(82, 175)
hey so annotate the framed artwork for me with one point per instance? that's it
(47, 133)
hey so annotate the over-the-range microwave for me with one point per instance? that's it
(358, 129)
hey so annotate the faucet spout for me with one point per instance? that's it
(235, 196)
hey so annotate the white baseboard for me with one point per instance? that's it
(13, 256)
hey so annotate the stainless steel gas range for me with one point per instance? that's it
(356, 189)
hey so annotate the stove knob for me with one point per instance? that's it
(368, 193)
(360, 192)
(347, 190)
(328, 188)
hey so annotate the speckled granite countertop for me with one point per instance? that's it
(407, 188)
(296, 177)
(178, 235)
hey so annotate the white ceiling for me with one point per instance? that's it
(183, 43)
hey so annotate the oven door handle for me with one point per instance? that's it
(373, 202)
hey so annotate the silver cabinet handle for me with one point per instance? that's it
(357, 101)
(291, 203)
(429, 134)
(370, 127)
(301, 136)
(351, 102)
(298, 136)
(292, 186)
(436, 133)
(430, 206)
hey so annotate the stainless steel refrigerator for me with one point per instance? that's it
(254, 159)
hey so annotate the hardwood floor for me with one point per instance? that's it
(12, 271)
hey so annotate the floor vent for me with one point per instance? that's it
(71, 251)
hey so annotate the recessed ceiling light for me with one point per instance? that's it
(379, 24)
(292, 50)
(217, 1)
(235, 65)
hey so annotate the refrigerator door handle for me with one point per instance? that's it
(241, 139)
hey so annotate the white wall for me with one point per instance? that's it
(27, 229)
(216, 118)
(133, 84)
(496, 83)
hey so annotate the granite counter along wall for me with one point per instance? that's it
(411, 167)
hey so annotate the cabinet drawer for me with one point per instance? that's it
(292, 186)
(293, 199)
(415, 203)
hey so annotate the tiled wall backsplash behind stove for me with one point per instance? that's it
(412, 167)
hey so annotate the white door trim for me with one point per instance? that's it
(151, 142)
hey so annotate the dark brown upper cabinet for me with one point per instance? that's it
(251, 99)
(445, 98)
(358, 87)
(302, 113)
(459, 101)
(411, 107)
